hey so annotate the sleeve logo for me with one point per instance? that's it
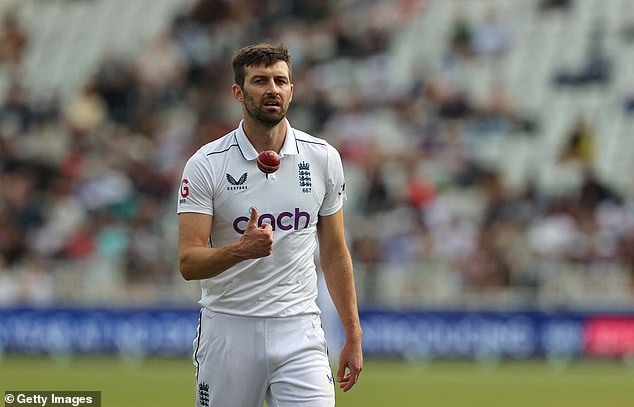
(342, 190)
(184, 188)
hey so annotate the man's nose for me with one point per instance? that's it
(272, 88)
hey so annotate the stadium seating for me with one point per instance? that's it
(69, 40)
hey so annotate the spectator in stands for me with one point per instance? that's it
(376, 195)
(14, 40)
(449, 97)
(498, 102)
(21, 212)
(116, 86)
(580, 141)
(554, 5)
(500, 107)
(65, 216)
(461, 34)
(593, 192)
(369, 253)
(86, 110)
(160, 68)
(486, 268)
(596, 68)
(626, 251)
(419, 191)
(494, 36)
(17, 110)
(628, 104)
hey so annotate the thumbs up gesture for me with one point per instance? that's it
(257, 241)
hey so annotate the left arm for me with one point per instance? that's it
(337, 267)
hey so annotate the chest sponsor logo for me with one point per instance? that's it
(285, 220)
(236, 184)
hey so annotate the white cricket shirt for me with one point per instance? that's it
(222, 179)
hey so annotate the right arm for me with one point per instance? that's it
(197, 261)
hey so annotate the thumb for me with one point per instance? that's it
(253, 220)
(341, 371)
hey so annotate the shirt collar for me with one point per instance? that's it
(249, 152)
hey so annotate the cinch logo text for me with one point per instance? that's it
(283, 221)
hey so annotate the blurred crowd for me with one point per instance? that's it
(92, 180)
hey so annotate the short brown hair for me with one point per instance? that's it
(254, 55)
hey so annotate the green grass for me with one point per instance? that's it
(169, 382)
(153, 382)
(517, 384)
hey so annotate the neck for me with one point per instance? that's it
(264, 137)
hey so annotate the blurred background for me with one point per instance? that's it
(488, 147)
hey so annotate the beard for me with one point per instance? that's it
(267, 118)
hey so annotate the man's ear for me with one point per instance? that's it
(237, 92)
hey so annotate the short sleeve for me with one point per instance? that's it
(196, 187)
(335, 184)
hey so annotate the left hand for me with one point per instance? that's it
(350, 365)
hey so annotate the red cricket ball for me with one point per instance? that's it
(268, 161)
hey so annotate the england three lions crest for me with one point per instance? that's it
(303, 174)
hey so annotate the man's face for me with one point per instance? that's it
(267, 92)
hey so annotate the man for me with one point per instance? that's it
(250, 238)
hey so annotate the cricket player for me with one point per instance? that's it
(250, 238)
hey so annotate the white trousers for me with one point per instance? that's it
(242, 361)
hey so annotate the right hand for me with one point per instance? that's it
(257, 241)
